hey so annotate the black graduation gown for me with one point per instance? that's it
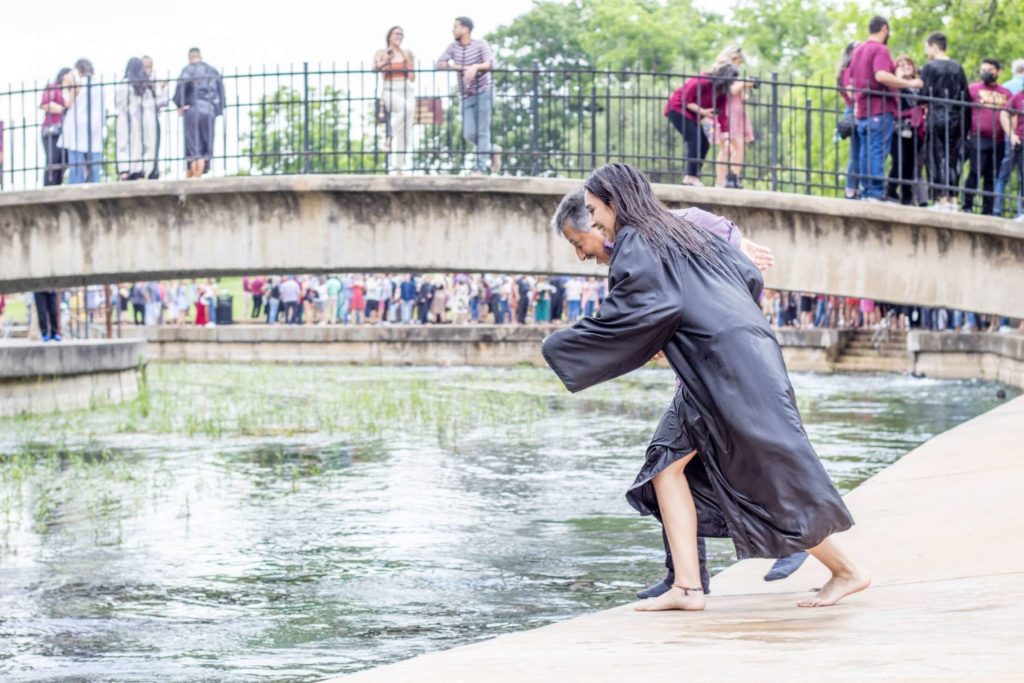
(756, 477)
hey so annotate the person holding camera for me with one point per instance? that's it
(398, 68)
(907, 139)
(732, 143)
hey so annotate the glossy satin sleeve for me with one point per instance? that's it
(640, 313)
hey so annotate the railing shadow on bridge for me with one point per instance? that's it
(546, 122)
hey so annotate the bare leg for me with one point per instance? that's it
(679, 515)
(846, 579)
(738, 152)
(724, 161)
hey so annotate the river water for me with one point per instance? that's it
(287, 523)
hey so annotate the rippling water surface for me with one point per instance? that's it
(281, 523)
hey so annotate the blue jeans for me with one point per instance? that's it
(476, 127)
(1014, 158)
(875, 142)
(574, 310)
(83, 167)
(273, 306)
(474, 309)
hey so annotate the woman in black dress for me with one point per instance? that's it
(730, 456)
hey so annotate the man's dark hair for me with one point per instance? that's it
(194, 51)
(572, 210)
(938, 39)
(627, 190)
(994, 62)
(84, 67)
(877, 23)
(465, 21)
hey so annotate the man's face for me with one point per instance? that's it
(458, 30)
(588, 245)
(147, 65)
(989, 68)
(885, 35)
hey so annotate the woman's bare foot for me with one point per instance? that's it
(837, 588)
(693, 181)
(692, 600)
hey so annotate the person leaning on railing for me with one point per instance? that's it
(398, 69)
(945, 86)
(1015, 85)
(56, 98)
(907, 141)
(985, 146)
(701, 98)
(872, 70)
(473, 59)
(1012, 121)
(82, 129)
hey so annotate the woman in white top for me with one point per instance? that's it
(398, 69)
(137, 102)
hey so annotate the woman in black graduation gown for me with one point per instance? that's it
(730, 455)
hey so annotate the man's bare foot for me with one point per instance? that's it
(692, 600)
(837, 588)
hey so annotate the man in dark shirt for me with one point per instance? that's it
(944, 80)
(985, 146)
(872, 70)
(200, 99)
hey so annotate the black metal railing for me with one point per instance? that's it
(546, 122)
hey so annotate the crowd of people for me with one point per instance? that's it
(928, 123)
(383, 299)
(805, 310)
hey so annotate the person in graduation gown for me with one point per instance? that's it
(730, 456)
(571, 218)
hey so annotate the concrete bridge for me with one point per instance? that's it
(104, 233)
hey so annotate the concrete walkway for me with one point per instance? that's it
(942, 533)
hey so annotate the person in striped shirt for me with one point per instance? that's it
(473, 60)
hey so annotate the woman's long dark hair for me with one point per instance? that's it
(135, 73)
(844, 62)
(60, 76)
(627, 190)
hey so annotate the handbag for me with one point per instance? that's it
(845, 126)
(380, 112)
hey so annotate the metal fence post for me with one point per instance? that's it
(807, 144)
(773, 160)
(306, 148)
(535, 118)
(593, 118)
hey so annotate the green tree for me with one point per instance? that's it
(277, 140)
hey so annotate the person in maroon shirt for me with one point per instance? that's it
(701, 98)
(985, 146)
(1011, 120)
(56, 99)
(847, 126)
(873, 77)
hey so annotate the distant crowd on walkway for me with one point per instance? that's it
(805, 310)
(385, 299)
(929, 123)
